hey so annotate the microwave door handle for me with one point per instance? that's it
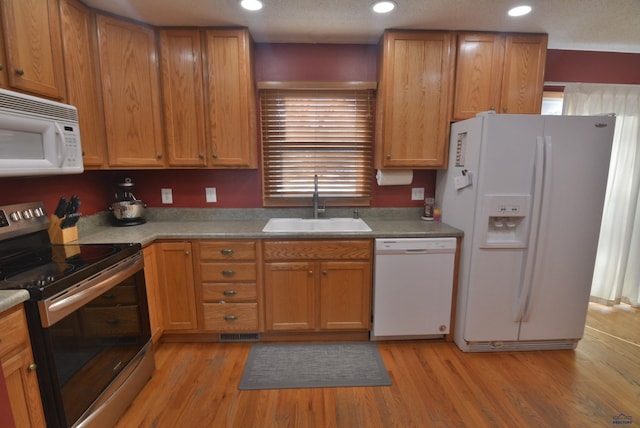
(61, 150)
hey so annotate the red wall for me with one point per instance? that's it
(290, 62)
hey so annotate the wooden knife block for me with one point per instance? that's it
(61, 236)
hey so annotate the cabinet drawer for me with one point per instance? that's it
(227, 272)
(110, 321)
(231, 316)
(231, 292)
(228, 250)
(318, 249)
(13, 330)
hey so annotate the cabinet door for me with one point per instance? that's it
(231, 99)
(182, 97)
(345, 295)
(290, 296)
(480, 58)
(131, 93)
(19, 370)
(523, 75)
(33, 49)
(175, 274)
(22, 386)
(153, 292)
(83, 82)
(414, 99)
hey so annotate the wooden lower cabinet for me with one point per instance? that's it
(175, 279)
(19, 370)
(317, 285)
(227, 273)
(154, 297)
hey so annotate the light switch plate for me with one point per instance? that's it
(210, 193)
(417, 193)
(167, 196)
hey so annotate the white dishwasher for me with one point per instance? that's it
(412, 288)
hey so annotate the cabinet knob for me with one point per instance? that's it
(1, 67)
(492, 108)
(32, 367)
(505, 109)
(230, 317)
(186, 253)
(229, 292)
(388, 156)
(228, 272)
(201, 155)
(325, 273)
(20, 72)
(215, 156)
(310, 272)
(227, 251)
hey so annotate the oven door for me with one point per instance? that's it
(88, 337)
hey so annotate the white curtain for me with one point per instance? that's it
(617, 271)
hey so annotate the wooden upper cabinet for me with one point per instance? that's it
(523, 76)
(131, 93)
(183, 97)
(231, 99)
(208, 98)
(415, 87)
(79, 46)
(500, 72)
(31, 33)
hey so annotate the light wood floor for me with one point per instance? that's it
(434, 385)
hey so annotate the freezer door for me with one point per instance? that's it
(577, 153)
(494, 279)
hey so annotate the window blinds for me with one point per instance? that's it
(328, 133)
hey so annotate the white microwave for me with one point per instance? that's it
(38, 136)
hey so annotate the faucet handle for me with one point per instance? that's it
(356, 214)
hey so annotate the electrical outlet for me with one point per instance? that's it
(210, 193)
(167, 196)
(417, 193)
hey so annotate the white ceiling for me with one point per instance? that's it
(600, 25)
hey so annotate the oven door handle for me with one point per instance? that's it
(54, 309)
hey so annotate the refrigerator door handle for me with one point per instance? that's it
(526, 280)
(542, 222)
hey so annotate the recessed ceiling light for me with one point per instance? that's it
(519, 10)
(384, 6)
(251, 4)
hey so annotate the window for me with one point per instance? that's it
(323, 132)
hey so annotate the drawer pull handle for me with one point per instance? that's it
(113, 322)
(230, 317)
(227, 251)
(32, 367)
(229, 292)
(228, 272)
(109, 296)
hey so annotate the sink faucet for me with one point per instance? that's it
(316, 210)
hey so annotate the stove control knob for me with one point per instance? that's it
(27, 214)
(15, 216)
(38, 212)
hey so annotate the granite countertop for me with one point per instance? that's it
(194, 223)
(10, 298)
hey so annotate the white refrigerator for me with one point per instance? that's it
(527, 191)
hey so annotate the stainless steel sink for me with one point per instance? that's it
(316, 225)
